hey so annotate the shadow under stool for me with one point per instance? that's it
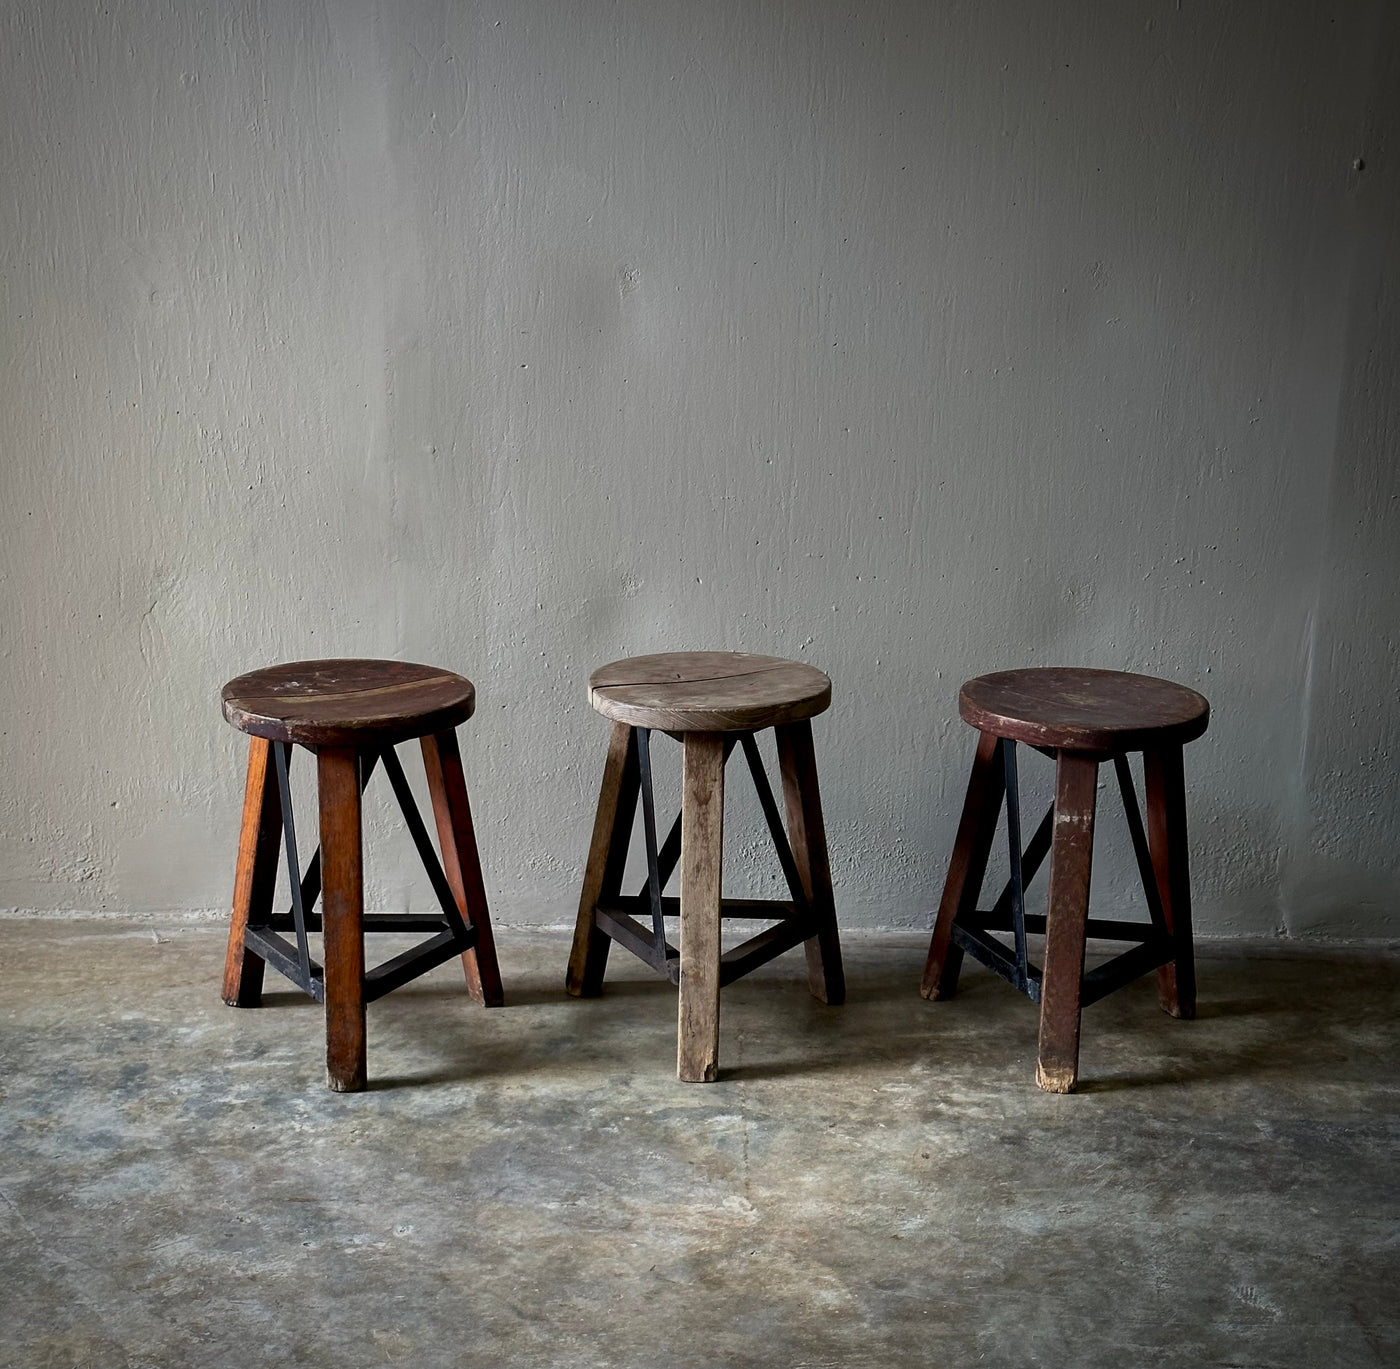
(711, 702)
(1081, 719)
(351, 714)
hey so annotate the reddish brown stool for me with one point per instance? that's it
(711, 702)
(1082, 719)
(351, 714)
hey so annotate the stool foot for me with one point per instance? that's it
(968, 867)
(1166, 838)
(607, 860)
(461, 863)
(797, 759)
(342, 909)
(1076, 777)
(702, 853)
(256, 878)
(1056, 1079)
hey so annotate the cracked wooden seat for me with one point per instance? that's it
(351, 714)
(1081, 718)
(708, 691)
(712, 702)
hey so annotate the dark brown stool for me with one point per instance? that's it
(351, 715)
(709, 701)
(1081, 718)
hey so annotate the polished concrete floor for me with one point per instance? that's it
(879, 1184)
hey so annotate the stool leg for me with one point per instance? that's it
(255, 881)
(968, 867)
(807, 836)
(461, 863)
(342, 912)
(702, 855)
(607, 860)
(1076, 779)
(1166, 838)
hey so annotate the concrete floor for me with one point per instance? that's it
(880, 1184)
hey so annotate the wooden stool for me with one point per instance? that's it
(709, 701)
(351, 714)
(1081, 718)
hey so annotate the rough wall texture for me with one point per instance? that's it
(911, 340)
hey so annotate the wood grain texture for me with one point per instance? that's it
(702, 856)
(708, 691)
(1083, 710)
(807, 837)
(347, 702)
(607, 860)
(1071, 859)
(255, 880)
(461, 863)
(967, 868)
(1166, 839)
(342, 910)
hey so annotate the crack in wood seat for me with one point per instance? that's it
(708, 691)
(351, 713)
(713, 703)
(1081, 718)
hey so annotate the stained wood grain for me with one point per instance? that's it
(1166, 839)
(1083, 710)
(347, 702)
(607, 860)
(461, 863)
(797, 761)
(708, 691)
(702, 855)
(1071, 858)
(967, 869)
(255, 880)
(342, 905)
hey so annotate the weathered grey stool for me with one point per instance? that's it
(351, 714)
(709, 701)
(1080, 718)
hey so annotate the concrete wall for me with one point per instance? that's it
(911, 340)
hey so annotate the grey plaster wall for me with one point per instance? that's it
(911, 340)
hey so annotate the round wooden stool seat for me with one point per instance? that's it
(1070, 709)
(708, 691)
(347, 702)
